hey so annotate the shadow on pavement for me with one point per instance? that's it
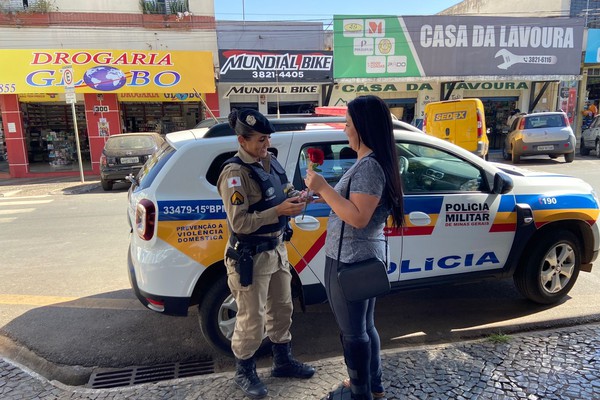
(113, 330)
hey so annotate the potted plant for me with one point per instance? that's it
(155, 14)
(38, 14)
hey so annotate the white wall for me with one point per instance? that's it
(197, 7)
(119, 39)
(528, 8)
(273, 35)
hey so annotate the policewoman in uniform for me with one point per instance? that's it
(259, 200)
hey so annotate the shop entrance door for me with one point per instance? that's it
(497, 111)
(403, 109)
(50, 137)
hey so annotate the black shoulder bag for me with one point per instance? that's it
(363, 279)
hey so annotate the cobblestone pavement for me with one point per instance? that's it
(553, 364)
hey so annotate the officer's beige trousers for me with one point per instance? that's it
(265, 304)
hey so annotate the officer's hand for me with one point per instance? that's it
(314, 181)
(291, 206)
(306, 196)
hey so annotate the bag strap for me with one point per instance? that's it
(342, 233)
(343, 225)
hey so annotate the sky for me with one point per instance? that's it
(322, 10)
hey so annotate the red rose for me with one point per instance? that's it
(316, 156)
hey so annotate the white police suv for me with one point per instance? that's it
(466, 220)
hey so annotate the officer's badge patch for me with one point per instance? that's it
(237, 199)
(270, 191)
(234, 181)
(250, 120)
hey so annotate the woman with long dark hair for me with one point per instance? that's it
(375, 193)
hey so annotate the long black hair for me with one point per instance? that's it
(373, 122)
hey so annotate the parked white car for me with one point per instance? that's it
(544, 133)
(590, 138)
(465, 220)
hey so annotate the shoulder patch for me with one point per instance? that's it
(234, 181)
(237, 198)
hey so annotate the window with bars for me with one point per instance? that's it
(164, 6)
(17, 5)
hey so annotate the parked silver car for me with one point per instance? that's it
(590, 138)
(545, 133)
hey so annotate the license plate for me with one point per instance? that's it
(130, 160)
(543, 148)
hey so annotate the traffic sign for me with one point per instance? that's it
(70, 96)
(67, 75)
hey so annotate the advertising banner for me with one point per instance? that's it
(100, 71)
(270, 89)
(43, 97)
(592, 50)
(422, 46)
(160, 97)
(261, 66)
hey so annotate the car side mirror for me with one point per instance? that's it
(502, 183)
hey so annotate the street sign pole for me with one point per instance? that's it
(77, 142)
(70, 97)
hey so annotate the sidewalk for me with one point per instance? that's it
(554, 364)
(47, 186)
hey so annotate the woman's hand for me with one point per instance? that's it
(315, 181)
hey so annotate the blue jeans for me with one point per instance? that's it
(360, 339)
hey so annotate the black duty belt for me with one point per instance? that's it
(256, 244)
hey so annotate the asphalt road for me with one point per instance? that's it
(66, 307)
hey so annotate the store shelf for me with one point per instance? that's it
(153, 117)
(50, 133)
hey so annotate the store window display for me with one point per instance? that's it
(157, 117)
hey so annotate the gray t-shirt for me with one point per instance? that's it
(359, 244)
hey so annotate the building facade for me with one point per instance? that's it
(273, 67)
(508, 62)
(587, 87)
(137, 66)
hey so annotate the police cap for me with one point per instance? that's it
(255, 121)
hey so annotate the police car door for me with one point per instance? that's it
(453, 223)
(306, 249)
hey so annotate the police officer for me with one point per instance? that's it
(259, 200)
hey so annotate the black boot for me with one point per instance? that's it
(247, 380)
(285, 366)
(357, 356)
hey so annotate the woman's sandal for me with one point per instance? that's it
(376, 395)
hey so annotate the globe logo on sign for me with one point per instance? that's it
(105, 79)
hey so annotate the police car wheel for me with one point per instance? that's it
(505, 154)
(217, 314)
(549, 272)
